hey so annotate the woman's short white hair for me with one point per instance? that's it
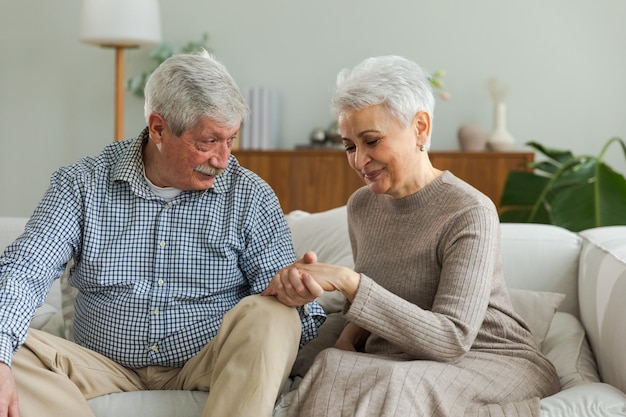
(397, 83)
(186, 87)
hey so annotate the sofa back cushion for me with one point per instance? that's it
(10, 229)
(542, 257)
(603, 299)
(326, 234)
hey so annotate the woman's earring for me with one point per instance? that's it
(423, 147)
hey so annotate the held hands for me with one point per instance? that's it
(307, 279)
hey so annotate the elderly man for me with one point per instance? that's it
(173, 241)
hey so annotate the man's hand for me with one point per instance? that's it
(307, 279)
(8, 393)
(293, 288)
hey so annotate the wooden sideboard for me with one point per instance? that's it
(320, 179)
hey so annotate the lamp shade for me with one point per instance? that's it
(123, 23)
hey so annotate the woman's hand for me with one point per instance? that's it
(352, 338)
(307, 279)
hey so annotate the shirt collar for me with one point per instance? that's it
(129, 167)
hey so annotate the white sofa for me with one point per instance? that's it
(570, 287)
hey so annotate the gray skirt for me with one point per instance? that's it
(351, 384)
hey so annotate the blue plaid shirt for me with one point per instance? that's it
(154, 277)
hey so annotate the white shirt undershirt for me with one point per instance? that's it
(166, 193)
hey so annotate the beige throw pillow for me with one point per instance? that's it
(537, 308)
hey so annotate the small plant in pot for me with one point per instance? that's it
(574, 192)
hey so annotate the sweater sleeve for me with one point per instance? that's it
(467, 250)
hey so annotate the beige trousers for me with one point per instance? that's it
(244, 367)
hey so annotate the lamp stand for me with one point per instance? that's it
(119, 93)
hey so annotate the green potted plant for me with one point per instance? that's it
(575, 192)
(160, 53)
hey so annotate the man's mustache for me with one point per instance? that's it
(209, 170)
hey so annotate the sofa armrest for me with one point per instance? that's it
(602, 291)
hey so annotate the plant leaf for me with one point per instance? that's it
(579, 208)
(549, 167)
(611, 187)
(583, 171)
(525, 198)
(574, 208)
(522, 189)
(556, 154)
(574, 192)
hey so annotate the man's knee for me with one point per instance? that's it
(267, 305)
(268, 313)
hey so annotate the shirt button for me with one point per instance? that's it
(168, 206)
(306, 308)
(162, 243)
(161, 282)
(156, 311)
(154, 348)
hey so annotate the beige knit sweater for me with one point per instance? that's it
(445, 339)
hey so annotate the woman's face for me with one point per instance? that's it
(383, 152)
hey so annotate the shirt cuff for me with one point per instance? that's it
(312, 316)
(311, 309)
(6, 349)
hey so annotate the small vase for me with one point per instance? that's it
(500, 139)
(472, 138)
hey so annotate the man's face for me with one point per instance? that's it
(192, 160)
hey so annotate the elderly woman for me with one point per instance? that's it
(430, 330)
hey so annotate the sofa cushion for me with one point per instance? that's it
(542, 257)
(602, 294)
(150, 403)
(326, 234)
(595, 399)
(10, 229)
(567, 348)
(537, 308)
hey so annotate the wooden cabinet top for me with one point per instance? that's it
(320, 179)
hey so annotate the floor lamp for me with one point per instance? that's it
(120, 24)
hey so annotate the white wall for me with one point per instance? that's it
(563, 61)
